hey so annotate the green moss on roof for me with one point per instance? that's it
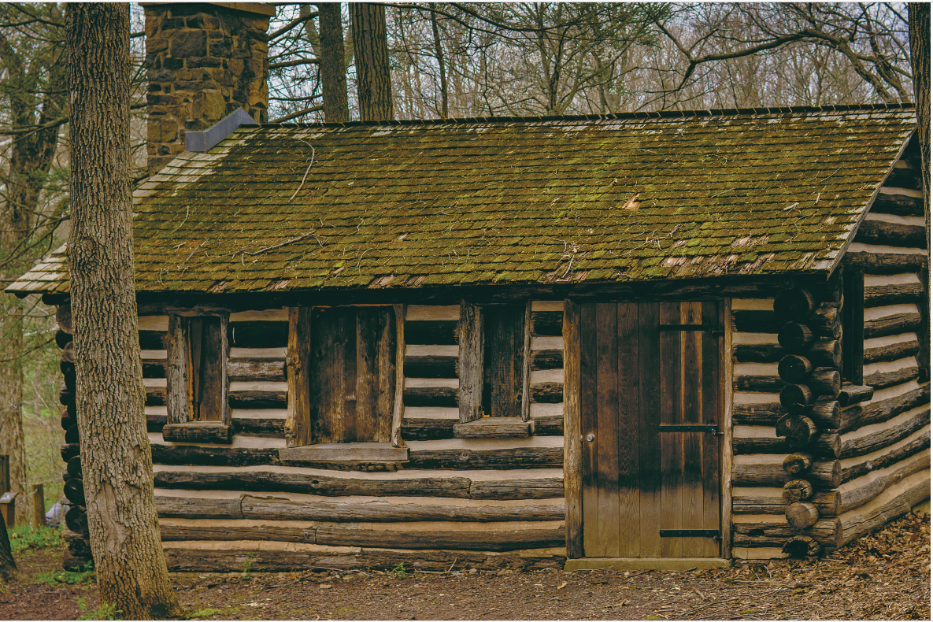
(510, 201)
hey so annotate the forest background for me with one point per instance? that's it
(445, 61)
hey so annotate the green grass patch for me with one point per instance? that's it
(211, 612)
(67, 577)
(26, 537)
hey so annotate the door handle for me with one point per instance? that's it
(590, 437)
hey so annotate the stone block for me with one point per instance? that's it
(254, 67)
(202, 21)
(156, 43)
(172, 23)
(189, 44)
(220, 47)
(161, 75)
(173, 63)
(235, 66)
(204, 61)
(209, 106)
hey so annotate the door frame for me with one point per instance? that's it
(573, 437)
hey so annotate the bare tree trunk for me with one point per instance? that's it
(333, 64)
(371, 50)
(439, 52)
(7, 563)
(115, 455)
(919, 18)
(11, 390)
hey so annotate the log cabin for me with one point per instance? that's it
(645, 340)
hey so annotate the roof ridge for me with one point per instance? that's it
(713, 112)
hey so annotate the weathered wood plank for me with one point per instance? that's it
(898, 204)
(873, 442)
(213, 456)
(893, 325)
(572, 423)
(891, 456)
(859, 495)
(892, 352)
(456, 539)
(256, 370)
(886, 507)
(854, 418)
(472, 346)
(886, 263)
(898, 293)
(398, 403)
(298, 366)
(891, 234)
(823, 475)
(827, 532)
(515, 458)
(828, 502)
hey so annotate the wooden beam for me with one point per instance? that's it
(177, 371)
(573, 451)
(526, 364)
(853, 319)
(398, 408)
(471, 362)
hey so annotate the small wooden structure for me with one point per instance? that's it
(665, 339)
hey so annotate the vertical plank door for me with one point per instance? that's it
(650, 400)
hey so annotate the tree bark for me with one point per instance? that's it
(115, 452)
(371, 51)
(919, 20)
(7, 563)
(441, 64)
(333, 67)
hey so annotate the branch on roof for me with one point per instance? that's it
(300, 113)
(295, 63)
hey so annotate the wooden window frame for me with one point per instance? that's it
(853, 325)
(298, 425)
(471, 360)
(180, 426)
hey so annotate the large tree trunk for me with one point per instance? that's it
(371, 50)
(919, 18)
(115, 453)
(333, 64)
(11, 390)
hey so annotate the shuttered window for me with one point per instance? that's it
(853, 325)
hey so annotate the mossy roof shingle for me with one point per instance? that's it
(626, 198)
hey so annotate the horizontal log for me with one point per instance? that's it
(356, 535)
(850, 394)
(797, 398)
(77, 545)
(766, 413)
(256, 370)
(63, 318)
(802, 515)
(432, 333)
(537, 488)
(73, 468)
(758, 445)
(494, 427)
(213, 456)
(76, 519)
(375, 511)
(547, 323)
(898, 293)
(893, 325)
(795, 338)
(825, 321)
(194, 507)
(892, 352)
(431, 366)
(547, 359)
(71, 434)
(456, 539)
(827, 502)
(68, 353)
(794, 368)
(551, 425)
(827, 532)
(74, 491)
(898, 204)
(423, 429)
(856, 497)
(154, 368)
(893, 456)
(873, 442)
(755, 321)
(198, 432)
(884, 379)
(233, 560)
(826, 413)
(547, 393)
(758, 384)
(854, 418)
(823, 475)
(255, 426)
(797, 463)
(67, 420)
(903, 178)
(757, 353)
(315, 483)
(66, 395)
(155, 423)
(886, 263)
(799, 547)
(797, 490)
(514, 458)
(262, 334)
(891, 234)
(69, 451)
(62, 338)
(825, 381)
(875, 515)
(800, 431)
(794, 305)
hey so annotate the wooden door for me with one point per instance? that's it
(651, 402)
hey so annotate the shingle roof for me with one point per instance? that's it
(416, 204)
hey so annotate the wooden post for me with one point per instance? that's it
(297, 363)
(726, 440)
(4, 474)
(8, 508)
(471, 362)
(853, 322)
(177, 370)
(38, 506)
(573, 451)
(398, 412)
(526, 364)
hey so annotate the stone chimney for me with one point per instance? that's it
(203, 62)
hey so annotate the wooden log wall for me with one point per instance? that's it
(838, 460)
(494, 502)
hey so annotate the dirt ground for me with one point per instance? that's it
(882, 576)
